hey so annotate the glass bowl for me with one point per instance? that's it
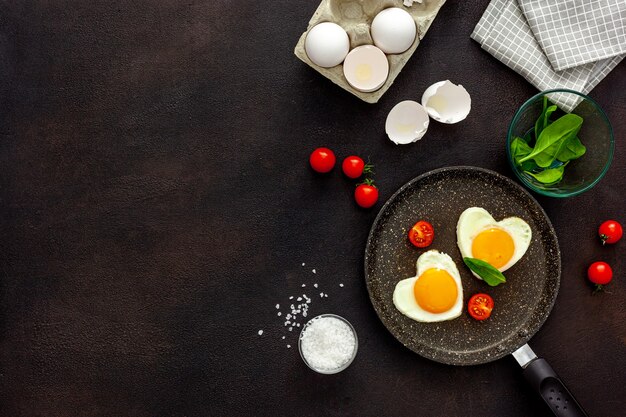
(334, 370)
(596, 134)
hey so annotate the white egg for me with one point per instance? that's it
(327, 44)
(441, 298)
(393, 30)
(406, 123)
(501, 243)
(447, 102)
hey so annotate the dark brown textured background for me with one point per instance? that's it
(156, 204)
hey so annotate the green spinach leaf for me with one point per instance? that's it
(554, 134)
(539, 123)
(549, 176)
(519, 149)
(542, 121)
(548, 156)
(488, 273)
(573, 149)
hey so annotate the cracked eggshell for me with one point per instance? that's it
(447, 102)
(407, 122)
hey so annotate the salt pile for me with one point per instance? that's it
(327, 343)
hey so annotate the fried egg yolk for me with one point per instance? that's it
(435, 290)
(494, 246)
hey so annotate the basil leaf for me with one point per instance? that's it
(488, 273)
(560, 130)
(573, 149)
(549, 176)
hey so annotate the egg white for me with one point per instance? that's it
(476, 219)
(404, 298)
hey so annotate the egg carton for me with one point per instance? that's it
(356, 16)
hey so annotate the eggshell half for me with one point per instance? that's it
(447, 102)
(407, 122)
(366, 68)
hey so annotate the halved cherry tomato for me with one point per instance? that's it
(610, 231)
(422, 234)
(480, 306)
(366, 194)
(322, 160)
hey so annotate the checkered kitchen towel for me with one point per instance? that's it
(504, 32)
(576, 32)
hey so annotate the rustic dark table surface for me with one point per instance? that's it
(156, 203)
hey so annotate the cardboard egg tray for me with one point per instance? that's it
(356, 16)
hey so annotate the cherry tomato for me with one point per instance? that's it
(422, 234)
(610, 231)
(322, 160)
(366, 194)
(600, 273)
(480, 306)
(354, 167)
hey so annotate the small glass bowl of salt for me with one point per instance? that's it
(328, 344)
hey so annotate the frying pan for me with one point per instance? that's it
(522, 304)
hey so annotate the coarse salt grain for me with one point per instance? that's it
(327, 343)
(260, 332)
(300, 308)
(341, 285)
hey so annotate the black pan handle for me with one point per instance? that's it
(546, 382)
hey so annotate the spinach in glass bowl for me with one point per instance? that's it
(560, 153)
(545, 151)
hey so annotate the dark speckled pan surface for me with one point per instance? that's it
(522, 304)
